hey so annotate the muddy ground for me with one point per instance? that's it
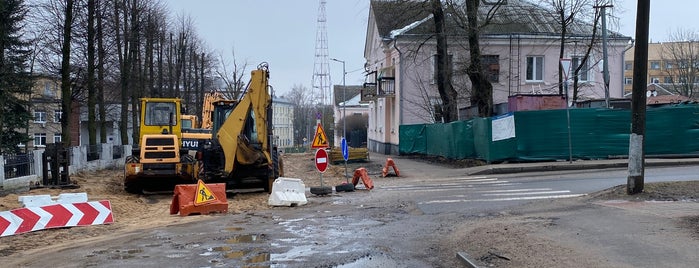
(133, 212)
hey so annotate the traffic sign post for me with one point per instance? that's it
(345, 155)
(321, 161)
(320, 140)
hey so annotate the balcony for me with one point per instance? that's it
(382, 84)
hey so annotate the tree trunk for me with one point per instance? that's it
(122, 53)
(482, 89)
(446, 90)
(91, 91)
(134, 61)
(66, 92)
(161, 42)
(564, 29)
(100, 75)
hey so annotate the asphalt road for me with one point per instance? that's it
(397, 224)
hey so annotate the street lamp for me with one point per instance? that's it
(344, 110)
(344, 98)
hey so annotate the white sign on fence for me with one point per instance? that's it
(503, 127)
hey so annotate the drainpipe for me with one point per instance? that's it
(623, 64)
(400, 82)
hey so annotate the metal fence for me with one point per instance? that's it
(19, 165)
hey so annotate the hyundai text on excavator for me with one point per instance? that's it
(158, 162)
(240, 153)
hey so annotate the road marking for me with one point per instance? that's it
(528, 193)
(515, 190)
(499, 199)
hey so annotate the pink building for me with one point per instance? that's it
(520, 55)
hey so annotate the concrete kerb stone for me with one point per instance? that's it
(577, 165)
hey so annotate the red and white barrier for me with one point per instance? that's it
(30, 219)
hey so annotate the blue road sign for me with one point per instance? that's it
(345, 149)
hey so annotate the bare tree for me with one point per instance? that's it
(91, 89)
(232, 73)
(566, 11)
(470, 16)
(66, 93)
(446, 90)
(681, 55)
(304, 125)
(583, 63)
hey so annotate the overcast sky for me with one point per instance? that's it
(283, 33)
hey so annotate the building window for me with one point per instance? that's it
(628, 81)
(39, 139)
(39, 117)
(57, 115)
(628, 66)
(655, 65)
(535, 68)
(583, 74)
(57, 138)
(668, 65)
(491, 67)
(654, 80)
(668, 80)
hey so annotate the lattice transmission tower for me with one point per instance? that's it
(321, 73)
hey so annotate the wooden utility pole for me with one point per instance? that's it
(634, 182)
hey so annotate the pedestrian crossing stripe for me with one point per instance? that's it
(320, 140)
(204, 195)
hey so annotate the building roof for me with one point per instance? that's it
(395, 18)
(342, 96)
(668, 99)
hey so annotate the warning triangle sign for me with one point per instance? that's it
(320, 140)
(204, 195)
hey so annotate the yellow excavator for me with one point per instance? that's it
(159, 162)
(240, 153)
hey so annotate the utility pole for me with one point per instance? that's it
(634, 184)
(605, 64)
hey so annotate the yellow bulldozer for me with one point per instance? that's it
(240, 153)
(159, 162)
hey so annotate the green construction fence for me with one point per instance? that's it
(544, 135)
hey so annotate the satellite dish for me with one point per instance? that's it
(655, 93)
(648, 94)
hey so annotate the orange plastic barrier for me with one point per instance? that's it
(390, 163)
(361, 173)
(199, 199)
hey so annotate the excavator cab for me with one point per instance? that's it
(240, 153)
(159, 162)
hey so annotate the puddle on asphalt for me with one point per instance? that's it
(235, 254)
(248, 238)
(371, 261)
(223, 248)
(262, 257)
(126, 254)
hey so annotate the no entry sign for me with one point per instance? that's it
(321, 160)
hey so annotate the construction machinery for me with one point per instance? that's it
(158, 162)
(240, 152)
(194, 132)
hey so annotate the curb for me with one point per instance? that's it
(581, 165)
